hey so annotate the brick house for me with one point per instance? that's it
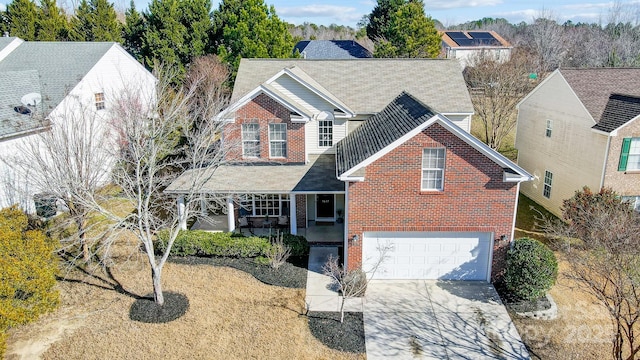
(379, 146)
(580, 127)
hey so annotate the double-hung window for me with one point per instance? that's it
(432, 169)
(630, 155)
(99, 101)
(548, 129)
(278, 140)
(325, 133)
(548, 180)
(251, 140)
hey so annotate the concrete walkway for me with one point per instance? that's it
(320, 295)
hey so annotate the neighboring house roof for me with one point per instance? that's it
(5, 41)
(331, 49)
(594, 86)
(60, 65)
(620, 109)
(473, 39)
(16, 84)
(367, 85)
(51, 69)
(398, 122)
(318, 175)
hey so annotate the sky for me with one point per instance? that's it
(450, 12)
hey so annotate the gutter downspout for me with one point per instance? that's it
(604, 163)
(515, 212)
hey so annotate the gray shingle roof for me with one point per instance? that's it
(332, 49)
(368, 85)
(49, 68)
(317, 175)
(619, 110)
(594, 86)
(16, 84)
(402, 115)
(5, 40)
(60, 65)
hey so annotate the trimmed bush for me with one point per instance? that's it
(204, 243)
(298, 244)
(28, 267)
(531, 269)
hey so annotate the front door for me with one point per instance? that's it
(324, 206)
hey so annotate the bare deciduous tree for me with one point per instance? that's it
(352, 283)
(158, 138)
(600, 240)
(69, 162)
(496, 88)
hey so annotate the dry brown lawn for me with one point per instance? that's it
(581, 331)
(231, 316)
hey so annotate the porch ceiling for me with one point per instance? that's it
(319, 175)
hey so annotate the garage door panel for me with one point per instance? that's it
(459, 256)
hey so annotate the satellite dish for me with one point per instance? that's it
(31, 99)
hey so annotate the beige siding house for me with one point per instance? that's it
(571, 130)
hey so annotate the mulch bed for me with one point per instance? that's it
(292, 274)
(519, 305)
(347, 336)
(147, 311)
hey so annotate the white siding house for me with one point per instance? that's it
(71, 80)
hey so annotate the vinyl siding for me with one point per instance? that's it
(573, 153)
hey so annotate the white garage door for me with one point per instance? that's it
(429, 255)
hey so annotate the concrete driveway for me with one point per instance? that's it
(425, 319)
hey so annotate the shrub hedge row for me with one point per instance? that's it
(204, 243)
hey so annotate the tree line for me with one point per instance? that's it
(171, 31)
(177, 31)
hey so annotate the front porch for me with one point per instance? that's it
(315, 233)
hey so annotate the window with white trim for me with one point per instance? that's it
(265, 204)
(278, 140)
(634, 202)
(325, 133)
(99, 101)
(251, 140)
(433, 169)
(630, 154)
(548, 180)
(549, 128)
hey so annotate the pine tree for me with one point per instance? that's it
(377, 23)
(21, 15)
(410, 34)
(51, 23)
(95, 21)
(176, 31)
(249, 29)
(81, 23)
(133, 31)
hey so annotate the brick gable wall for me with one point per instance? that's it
(264, 110)
(474, 198)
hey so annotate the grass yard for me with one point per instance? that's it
(231, 315)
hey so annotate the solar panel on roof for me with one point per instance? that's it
(465, 42)
(456, 35)
(481, 35)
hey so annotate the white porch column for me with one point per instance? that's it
(231, 219)
(181, 210)
(292, 214)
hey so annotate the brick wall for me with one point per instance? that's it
(474, 197)
(264, 110)
(626, 183)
